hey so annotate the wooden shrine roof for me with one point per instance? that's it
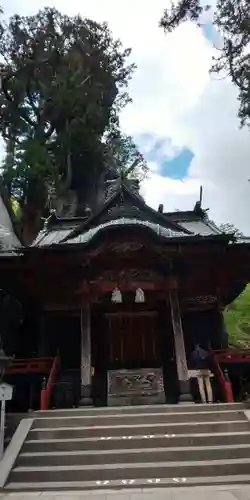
(62, 236)
(126, 209)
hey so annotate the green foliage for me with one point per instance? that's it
(182, 11)
(237, 320)
(64, 81)
(125, 162)
(228, 228)
(124, 156)
(237, 314)
(15, 207)
(232, 19)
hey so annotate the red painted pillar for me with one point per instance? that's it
(229, 391)
(44, 400)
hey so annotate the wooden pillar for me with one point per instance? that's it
(86, 375)
(180, 351)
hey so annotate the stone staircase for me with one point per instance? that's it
(121, 447)
(11, 423)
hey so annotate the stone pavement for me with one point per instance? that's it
(236, 492)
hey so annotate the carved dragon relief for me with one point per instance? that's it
(120, 247)
(126, 277)
(130, 246)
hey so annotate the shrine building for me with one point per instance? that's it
(114, 302)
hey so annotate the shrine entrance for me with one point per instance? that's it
(133, 347)
(132, 340)
(133, 371)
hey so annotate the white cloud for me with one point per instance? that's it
(169, 81)
(176, 194)
(221, 163)
(174, 97)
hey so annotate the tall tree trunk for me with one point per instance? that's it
(31, 223)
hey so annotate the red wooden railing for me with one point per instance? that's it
(51, 366)
(232, 355)
(225, 385)
(30, 365)
(46, 392)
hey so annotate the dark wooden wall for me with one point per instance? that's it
(204, 328)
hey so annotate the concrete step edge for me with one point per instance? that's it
(140, 415)
(133, 484)
(120, 438)
(131, 426)
(111, 408)
(144, 465)
(133, 450)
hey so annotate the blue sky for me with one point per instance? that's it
(211, 34)
(208, 31)
(177, 167)
(172, 161)
(174, 165)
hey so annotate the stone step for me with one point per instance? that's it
(180, 454)
(119, 447)
(12, 420)
(130, 430)
(158, 440)
(138, 419)
(102, 486)
(142, 409)
(128, 471)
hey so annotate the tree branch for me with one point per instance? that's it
(230, 56)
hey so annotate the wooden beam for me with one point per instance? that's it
(133, 314)
(108, 286)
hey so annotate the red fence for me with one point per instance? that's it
(51, 366)
(30, 365)
(46, 392)
(232, 355)
(225, 385)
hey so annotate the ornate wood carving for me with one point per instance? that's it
(202, 300)
(128, 276)
(135, 386)
(126, 246)
(125, 275)
(117, 212)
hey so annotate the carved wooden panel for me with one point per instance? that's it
(128, 276)
(139, 386)
(128, 246)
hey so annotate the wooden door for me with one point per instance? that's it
(132, 339)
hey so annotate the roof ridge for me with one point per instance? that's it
(162, 218)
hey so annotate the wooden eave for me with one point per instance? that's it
(65, 247)
(35, 267)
